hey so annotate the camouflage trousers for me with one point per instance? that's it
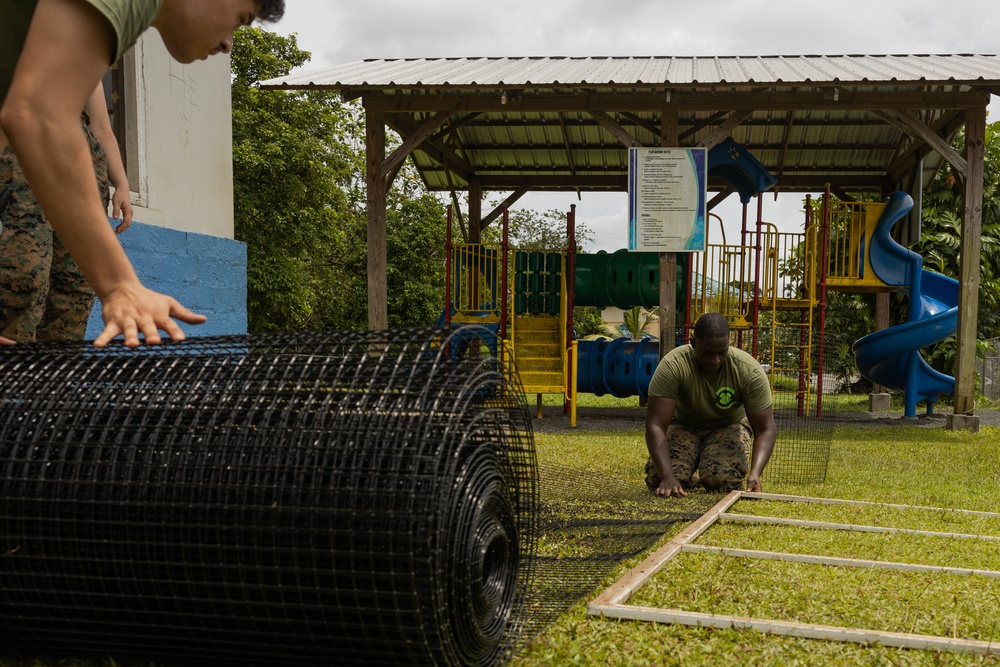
(718, 455)
(43, 294)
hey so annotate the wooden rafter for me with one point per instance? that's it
(719, 134)
(417, 137)
(909, 123)
(436, 150)
(616, 130)
(507, 203)
(612, 603)
(784, 144)
(780, 100)
(946, 127)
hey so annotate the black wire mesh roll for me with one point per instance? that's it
(339, 498)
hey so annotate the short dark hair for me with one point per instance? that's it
(270, 10)
(711, 325)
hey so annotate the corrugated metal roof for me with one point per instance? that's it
(812, 119)
(665, 71)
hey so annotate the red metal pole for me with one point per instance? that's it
(502, 300)
(570, 265)
(802, 338)
(823, 268)
(447, 271)
(758, 247)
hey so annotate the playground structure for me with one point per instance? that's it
(771, 285)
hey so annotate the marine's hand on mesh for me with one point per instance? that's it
(671, 487)
(131, 309)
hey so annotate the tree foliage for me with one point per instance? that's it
(288, 164)
(941, 227)
(636, 319)
(300, 206)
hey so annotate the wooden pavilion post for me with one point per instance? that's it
(377, 186)
(668, 260)
(475, 211)
(968, 291)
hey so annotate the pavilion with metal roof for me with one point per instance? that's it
(860, 123)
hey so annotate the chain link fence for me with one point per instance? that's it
(988, 370)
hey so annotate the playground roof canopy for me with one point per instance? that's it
(859, 122)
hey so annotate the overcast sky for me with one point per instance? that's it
(337, 32)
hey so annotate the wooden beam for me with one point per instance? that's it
(668, 260)
(507, 203)
(566, 144)
(837, 561)
(475, 211)
(720, 134)
(793, 629)
(625, 587)
(649, 125)
(417, 137)
(696, 101)
(720, 197)
(611, 603)
(784, 144)
(969, 258)
(828, 525)
(461, 218)
(616, 130)
(945, 128)
(916, 128)
(619, 182)
(376, 202)
(455, 125)
(814, 500)
(701, 125)
(436, 150)
(842, 194)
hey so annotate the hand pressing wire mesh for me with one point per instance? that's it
(336, 498)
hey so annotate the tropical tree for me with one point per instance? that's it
(636, 319)
(300, 205)
(288, 165)
(941, 226)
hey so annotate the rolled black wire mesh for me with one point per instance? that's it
(339, 498)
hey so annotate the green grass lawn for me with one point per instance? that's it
(896, 464)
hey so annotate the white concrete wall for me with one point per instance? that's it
(182, 142)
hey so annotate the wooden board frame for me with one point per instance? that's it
(611, 602)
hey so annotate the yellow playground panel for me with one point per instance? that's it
(771, 286)
(851, 227)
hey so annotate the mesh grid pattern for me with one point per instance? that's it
(350, 497)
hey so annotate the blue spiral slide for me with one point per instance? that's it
(891, 357)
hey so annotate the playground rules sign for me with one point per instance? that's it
(667, 198)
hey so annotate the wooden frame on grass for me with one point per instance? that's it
(611, 603)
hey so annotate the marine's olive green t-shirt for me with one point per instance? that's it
(128, 18)
(707, 402)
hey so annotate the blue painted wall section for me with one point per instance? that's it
(207, 274)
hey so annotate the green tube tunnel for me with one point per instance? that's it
(624, 279)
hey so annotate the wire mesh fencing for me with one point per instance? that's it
(988, 369)
(807, 376)
(351, 497)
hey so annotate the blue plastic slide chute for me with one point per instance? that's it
(733, 163)
(891, 357)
